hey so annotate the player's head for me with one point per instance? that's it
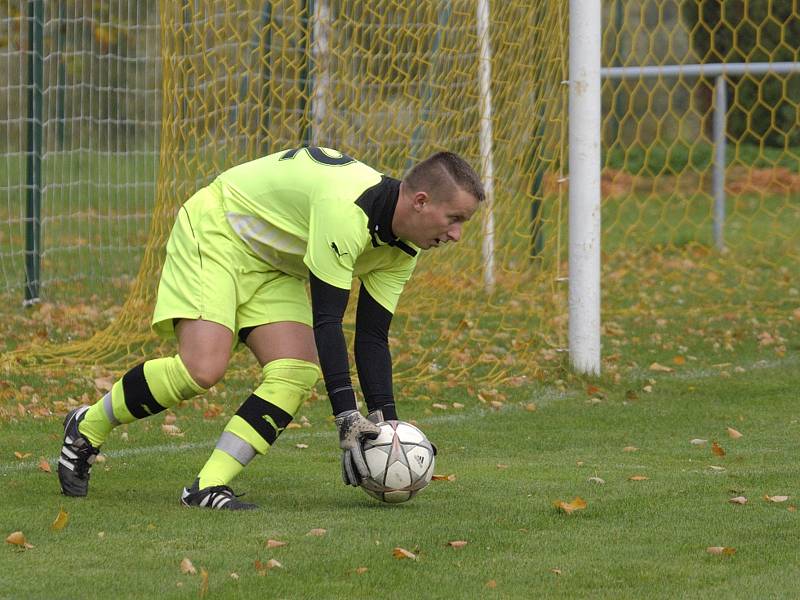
(437, 196)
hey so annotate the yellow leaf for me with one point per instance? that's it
(679, 360)
(531, 407)
(738, 500)
(556, 571)
(44, 465)
(361, 570)
(187, 568)
(317, 532)
(203, 582)
(301, 446)
(577, 503)
(275, 543)
(491, 584)
(638, 478)
(401, 553)
(717, 449)
(630, 449)
(439, 405)
(273, 564)
(21, 455)
(776, 498)
(450, 477)
(660, 368)
(501, 466)
(18, 539)
(457, 544)
(733, 433)
(721, 550)
(61, 520)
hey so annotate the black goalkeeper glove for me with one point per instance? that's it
(353, 430)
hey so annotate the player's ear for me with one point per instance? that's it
(419, 200)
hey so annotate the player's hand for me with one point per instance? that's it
(353, 430)
(376, 416)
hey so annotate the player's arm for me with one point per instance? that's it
(373, 359)
(328, 304)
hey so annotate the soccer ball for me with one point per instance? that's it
(400, 462)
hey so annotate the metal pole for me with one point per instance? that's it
(720, 112)
(485, 138)
(33, 204)
(584, 185)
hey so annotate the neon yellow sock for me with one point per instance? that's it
(220, 469)
(145, 390)
(286, 383)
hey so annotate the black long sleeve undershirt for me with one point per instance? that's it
(373, 359)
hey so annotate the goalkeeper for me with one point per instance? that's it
(238, 257)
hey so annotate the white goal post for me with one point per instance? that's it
(584, 185)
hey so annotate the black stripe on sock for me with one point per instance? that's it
(255, 409)
(138, 397)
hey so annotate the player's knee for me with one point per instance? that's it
(289, 377)
(205, 370)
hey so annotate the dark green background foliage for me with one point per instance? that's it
(752, 31)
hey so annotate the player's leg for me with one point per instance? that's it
(197, 291)
(276, 326)
(288, 359)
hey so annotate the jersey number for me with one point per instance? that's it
(318, 155)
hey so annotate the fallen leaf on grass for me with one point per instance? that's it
(491, 584)
(738, 500)
(61, 520)
(716, 468)
(679, 360)
(18, 539)
(235, 576)
(660, 368)
(717, 449)
(638, 478)
(501, 466)
(301, 446)
(457, 544)
(317, 532)
(172, 430)
(721, 550)
(22, 455)
(272, 564)
(776, 498)
(401, 553)
(187, 568)
(44, 465)
(203, 582)
(104, 384)
(733, 433)
(577, 503)
(596, 480)
(698, 442)
(450, 477)
(630, 449)
(556, 571)
(275, 543)
(361, 570)
(439, 405)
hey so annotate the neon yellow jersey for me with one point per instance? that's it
(316, 209)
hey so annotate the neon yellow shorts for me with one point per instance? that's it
(210, 274)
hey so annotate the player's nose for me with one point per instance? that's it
(454, 233)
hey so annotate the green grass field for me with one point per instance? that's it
(635, 539)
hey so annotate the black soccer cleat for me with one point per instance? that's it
(219, 497)
(77, 456)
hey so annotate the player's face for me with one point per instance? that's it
(440, 221)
